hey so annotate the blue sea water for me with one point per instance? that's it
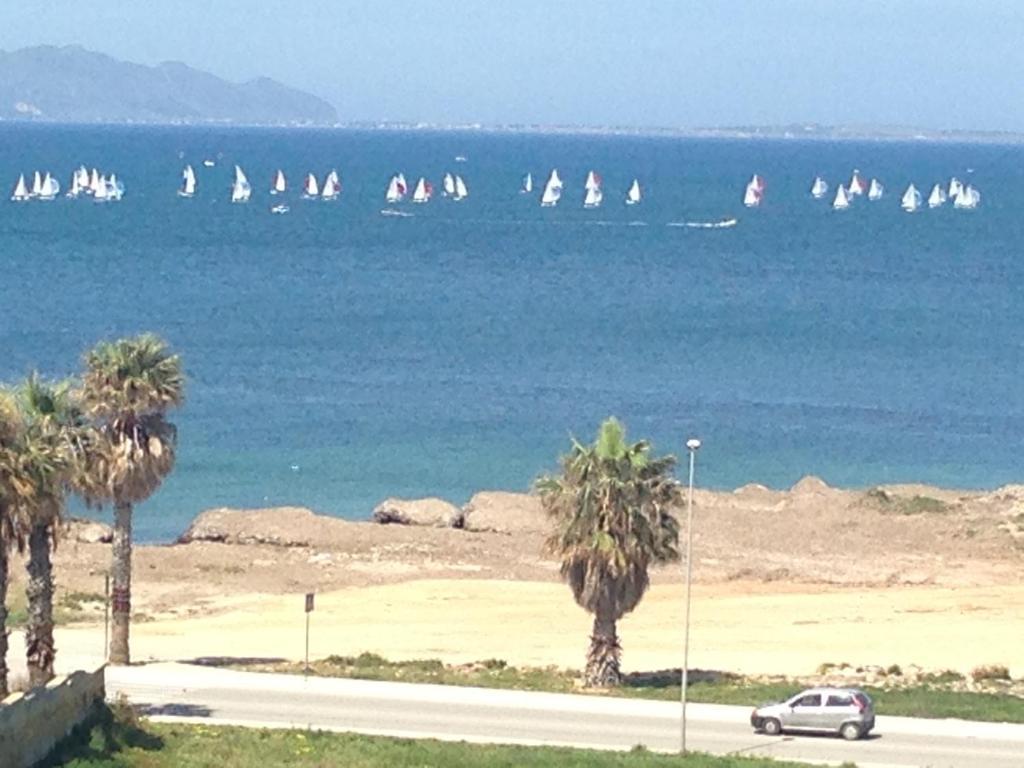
(336, 356)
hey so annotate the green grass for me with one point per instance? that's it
(932, 698)
(121, 741)
(68, 608)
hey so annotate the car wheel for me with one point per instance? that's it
(771, 726)
(850, 731)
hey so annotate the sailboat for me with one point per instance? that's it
(842, 200)
(95, 183)
(954, 187)
(967, 198)
(100, 192)
(449, 185)
(593, 181)
(312, 188)
(396, 189)
(76, 188)
(21, 192)
(421, 194)
(461, 193)
(552, 191)
(856, 184)
(819, 188)
(633, 195)
(911, 200)
(875, 190)
(37, 184)
(332, 187)
(527, 184)
(50, 188)
(753, 194)
(280, 184)
(188, 182)
(241, 190)
(594, 196)
(937, 197)
(115, 189)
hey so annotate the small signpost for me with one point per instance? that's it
(309, 610)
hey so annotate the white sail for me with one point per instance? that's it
(593, 197)
(633, 195)
(856, 184)
(403, 185)
(396, 189)
(875, 190)
(461, 193)
(49, 188)
(115, 189)
(757, 183)
(188, 182)
(527, 184)
(842, 200)
(241, 191)
(76, 188)
(911, 199)
(552, 190)
(967, 198)
(100, 192)
(37, 184)
(332, 186)
(593, 181)
(449, 185)
(312, 188)
(752, 196)
(420, 193)
(819, 188)
(280, 184)
(954, 187)
(83, 178)
(937, 197)
(20, 190)
(96, 182)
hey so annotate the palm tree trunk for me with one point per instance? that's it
(121, 572)
(40, 651)
(603, 659)
(3, 621)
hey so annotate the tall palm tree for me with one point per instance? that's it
(51, 422)
(128, 387)
(12, 527)
(612, 509)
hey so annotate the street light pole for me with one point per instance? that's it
(691, 445)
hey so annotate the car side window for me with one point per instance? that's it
(810, 700)
(839, 701)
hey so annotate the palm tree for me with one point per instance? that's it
(51, 422)
(12, 527)
(612, 508)
(128, 387)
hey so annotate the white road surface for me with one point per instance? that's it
(219, 696)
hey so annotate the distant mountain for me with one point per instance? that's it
(71, 84)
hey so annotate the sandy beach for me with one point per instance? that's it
(785, 581)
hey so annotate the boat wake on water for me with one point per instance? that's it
(393, 212)
(722, 224)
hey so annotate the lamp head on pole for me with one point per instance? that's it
(692, 444)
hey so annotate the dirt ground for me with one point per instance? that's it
(784, 582)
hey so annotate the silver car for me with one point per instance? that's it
(846, 711)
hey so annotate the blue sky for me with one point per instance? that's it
(938, 64)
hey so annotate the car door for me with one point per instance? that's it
(839, 708)
(805, 711)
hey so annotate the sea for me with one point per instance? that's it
(336, 356)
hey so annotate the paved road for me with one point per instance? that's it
(176, 691)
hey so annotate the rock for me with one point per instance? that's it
(277, 526)
(87, 531)
(505, 512)
(432, 512)
(811, 486)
